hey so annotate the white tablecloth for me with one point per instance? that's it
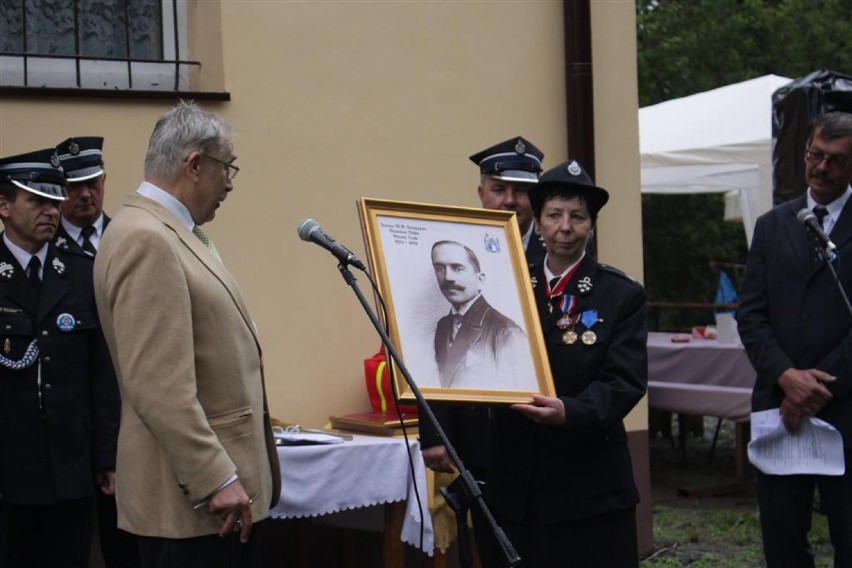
(368, 470)
(700, 377)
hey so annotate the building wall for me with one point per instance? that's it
(338, 100)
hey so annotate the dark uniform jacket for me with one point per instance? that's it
(66, 242)
(482, 348)
(546, 474)
(59, 416)
(791, 313)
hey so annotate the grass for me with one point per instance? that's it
(709, 532)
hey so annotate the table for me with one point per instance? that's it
(702, 377)
(327, 478)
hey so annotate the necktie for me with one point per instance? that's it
(820, 213)
(32, 272)
(202, 236)
(553, 282)
(457, 322)
(86, 233)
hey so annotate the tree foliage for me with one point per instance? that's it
(690, 46)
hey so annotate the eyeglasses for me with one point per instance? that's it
(835, 162)
(230, 169)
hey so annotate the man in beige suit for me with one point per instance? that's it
(196, 463)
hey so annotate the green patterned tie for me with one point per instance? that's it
(202, 236)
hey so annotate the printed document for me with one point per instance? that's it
(817, 448)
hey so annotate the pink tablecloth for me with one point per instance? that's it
(700, 377)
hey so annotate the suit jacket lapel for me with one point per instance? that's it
(54, 285)
(197, 248)
(842, 231)
(469, 333)
(19, 290)
(799, 240)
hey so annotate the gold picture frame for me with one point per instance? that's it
(430, 260)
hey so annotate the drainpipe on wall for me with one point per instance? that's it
(578, 83)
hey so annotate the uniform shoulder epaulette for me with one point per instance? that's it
(617, 272)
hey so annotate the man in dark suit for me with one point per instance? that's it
(475, 345)
(58, 418)
(81, 225)
(83, 220)
(797, 332)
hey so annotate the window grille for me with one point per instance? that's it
(95, 44)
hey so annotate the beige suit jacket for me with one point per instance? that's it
(191, 376)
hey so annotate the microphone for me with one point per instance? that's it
(309, 230)
(807, 218)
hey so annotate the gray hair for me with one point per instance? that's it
(832, 126)
(184, 129)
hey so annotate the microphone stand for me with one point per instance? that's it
(467, 490)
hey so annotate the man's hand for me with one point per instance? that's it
(791, 416)
(544, 409)
(437, 458)
(804, 389)
(106, 481)
(233, 506)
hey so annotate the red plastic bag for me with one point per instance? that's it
(379, 385)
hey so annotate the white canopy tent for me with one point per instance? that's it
(716, 141)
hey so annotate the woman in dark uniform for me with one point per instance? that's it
(563, 482)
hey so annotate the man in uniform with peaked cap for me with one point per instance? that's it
(80, 228)
(58, 419)
(83, 220)
(507, 171)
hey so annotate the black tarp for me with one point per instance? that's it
(794, 107)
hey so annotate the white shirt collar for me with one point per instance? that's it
(465, 307)
(550, 276)
(168, 201)
(528, 235)
(23, 257)
(834, 209)
(75, 232)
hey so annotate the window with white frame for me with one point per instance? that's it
(94, 44)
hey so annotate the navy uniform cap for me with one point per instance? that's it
(568, 178)
(515, 160)
(82, 158)
(38, 172)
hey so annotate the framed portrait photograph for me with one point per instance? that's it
(460, 308)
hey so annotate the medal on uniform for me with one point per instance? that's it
(589, 319)
(569, 337)
(566, 305)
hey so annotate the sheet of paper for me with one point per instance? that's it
(817, 448)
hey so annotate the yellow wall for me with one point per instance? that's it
(338, 100)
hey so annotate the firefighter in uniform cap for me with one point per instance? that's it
(507, 172)
(58, 418)
(81, 224)
(83, 220)
(561, 477)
